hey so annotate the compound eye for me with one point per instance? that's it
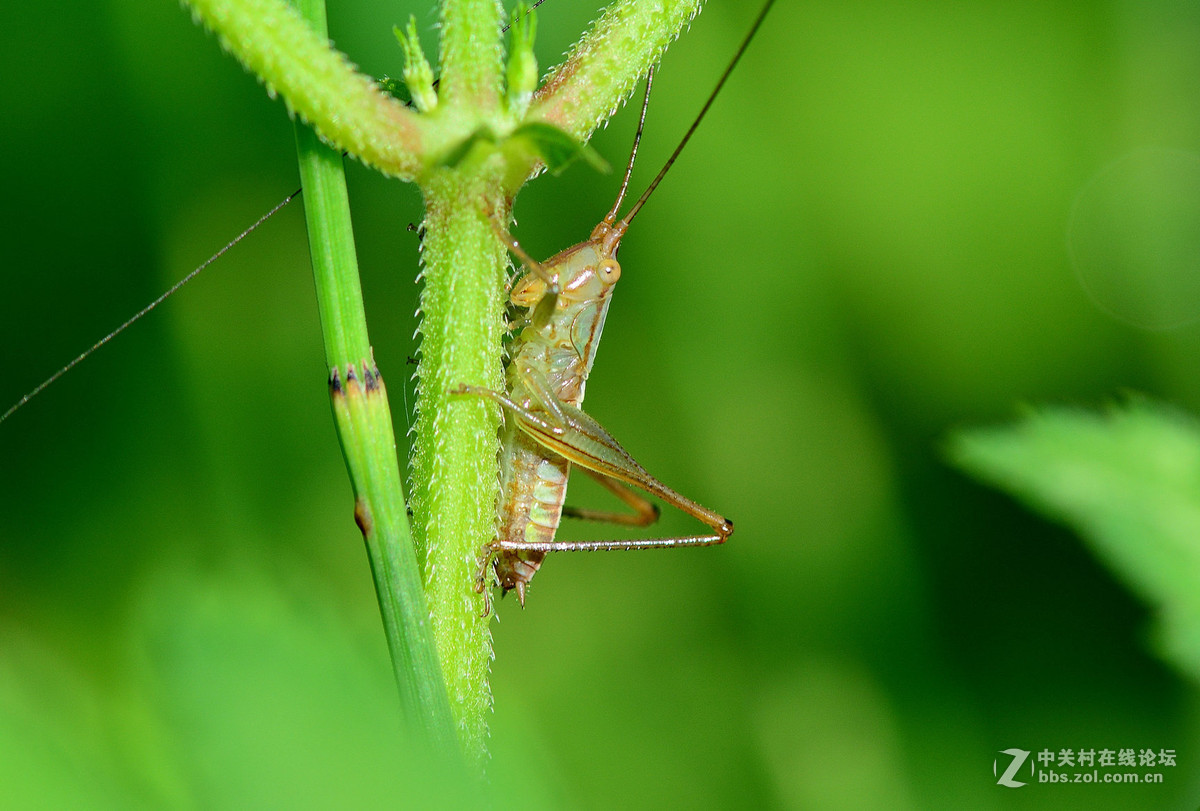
(609, 271)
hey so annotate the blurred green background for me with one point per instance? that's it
(899, 220)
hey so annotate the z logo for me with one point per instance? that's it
(1018, 760)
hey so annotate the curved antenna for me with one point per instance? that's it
(624, 224)
(145, 310)
(611, 217)
(175, 287)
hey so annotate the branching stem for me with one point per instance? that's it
(454, 466)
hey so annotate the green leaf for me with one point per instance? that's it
(418, 75)
(397, 89)
(1129, 483)
(556, 147)
(458, 153)
(522, 72)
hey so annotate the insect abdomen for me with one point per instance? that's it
(546, 500)
(533, 487)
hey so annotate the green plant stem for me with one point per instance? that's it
(346, 108)
(472, 60)
(365, 430)
(454, 456)
(454, 465)
(605, 66)
(454, 453)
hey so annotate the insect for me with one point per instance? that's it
(565, 300)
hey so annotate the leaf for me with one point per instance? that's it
(522, 72)
(397, 89)
(457, 154)
(418, 75)
(1129, 483)
(558, 149)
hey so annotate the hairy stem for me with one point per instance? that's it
(316, 82)
(605, 66)
(454, 457)
(471, 56)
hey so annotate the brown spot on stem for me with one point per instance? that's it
(335, 383)
(362, 517)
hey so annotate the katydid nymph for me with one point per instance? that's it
(563, 303)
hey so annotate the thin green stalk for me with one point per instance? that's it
(346, 108)
(365, 430)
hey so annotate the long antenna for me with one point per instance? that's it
(145, 310)
(637, 139)
(175, 287)
(687, 136)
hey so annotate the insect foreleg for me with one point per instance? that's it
(535, 383)
(508, 403)
(532, 265)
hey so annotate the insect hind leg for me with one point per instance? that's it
(645, 512)
(620, 545)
